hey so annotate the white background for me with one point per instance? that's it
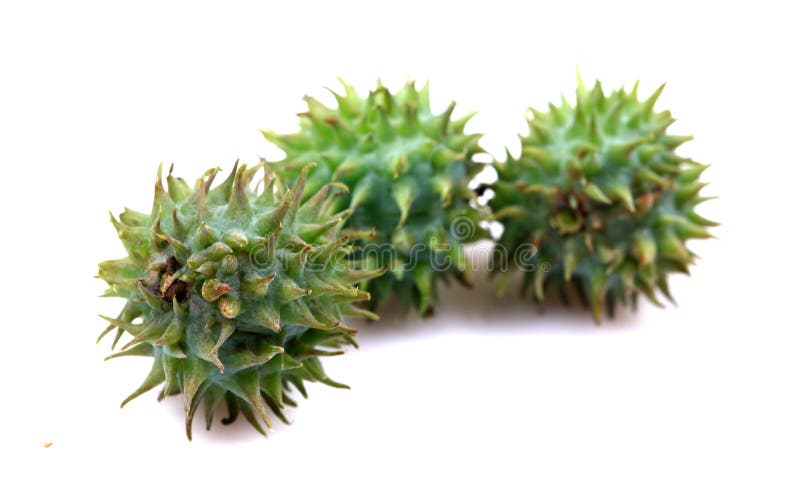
(490, 391)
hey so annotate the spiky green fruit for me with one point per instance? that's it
(601, 199)
(408, 170)
(234, 292)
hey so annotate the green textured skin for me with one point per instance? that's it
(408, 170)
(600, 192)
(235, 293)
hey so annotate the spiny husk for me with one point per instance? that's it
(408, 170)
(600, 198)
(234, 292)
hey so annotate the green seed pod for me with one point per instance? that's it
(600, 192)
(214, 315)
(408, 170)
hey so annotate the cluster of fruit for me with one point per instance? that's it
(237, 290)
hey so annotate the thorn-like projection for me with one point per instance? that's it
(236, 240)
(644, 249)
(238, 203)
(153, 300)
(205, 235)
(161, 199)
(140, 350)
(398, 165)
(154, 378)
(213, 289)
(268, 316)
(672, 247)
(288, 290)
(222, 193)
(178, 188)
(673, 141)
(296, 193)
(403, 194)
(214, 253)
(366, 274)
(257, 285)
(647, 105)
(622, 193)
(321, 201)
(194, 374)
(311, 232)
(597, 194)
(246, 385)
(173, 334)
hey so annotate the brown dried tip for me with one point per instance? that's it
(178, 290)
(172, 265)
